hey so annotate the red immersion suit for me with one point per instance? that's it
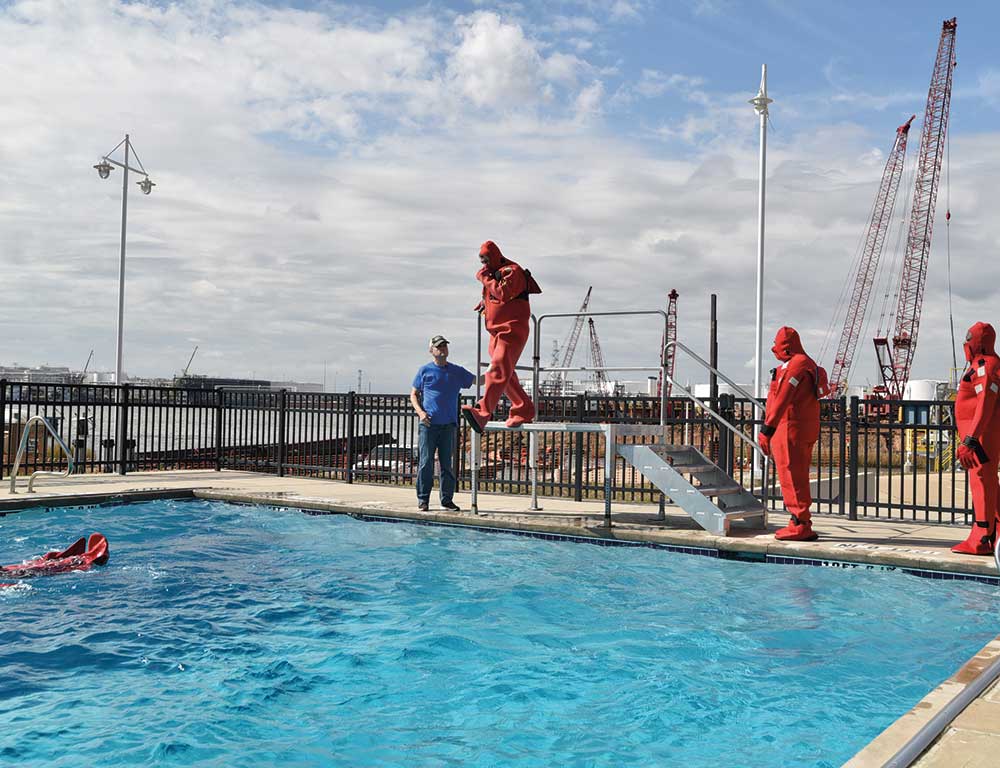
(791, 429)
(978, 420)
(508, 318)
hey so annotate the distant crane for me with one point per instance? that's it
(556, 381)
(669, 335)
(184, 373)
(83, 374)
(597, 361)
(878, 227)
(895, 366)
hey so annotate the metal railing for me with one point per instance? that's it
(23, 447)
(883, 459)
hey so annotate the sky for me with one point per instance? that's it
(325, 173)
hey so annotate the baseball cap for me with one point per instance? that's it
(437, 341)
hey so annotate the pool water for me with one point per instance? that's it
(222, 635)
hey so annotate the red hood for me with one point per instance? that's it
(490, 249)
(787, 344)
(980, 340)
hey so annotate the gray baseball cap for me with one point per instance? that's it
(437, 341)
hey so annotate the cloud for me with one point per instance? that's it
(325, 179)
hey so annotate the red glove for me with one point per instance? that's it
(971, 453)
(484, 273)
(764, 441)
(479, 307)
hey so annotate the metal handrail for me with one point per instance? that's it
(23, 446)
(719, 417)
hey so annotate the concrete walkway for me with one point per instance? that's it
(972, 740)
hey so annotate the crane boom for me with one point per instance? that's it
(184, 373)
(597, 359)
(878, 228)
(895, 369)
(557, 379)
(669, 335)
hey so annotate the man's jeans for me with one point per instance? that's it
(439, 438)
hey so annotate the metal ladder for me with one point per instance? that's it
(688, 477)
(23, 447)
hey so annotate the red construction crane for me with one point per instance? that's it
(554, 384)
(878, 227)
(597, 360)
(670, 334)
(895, 367)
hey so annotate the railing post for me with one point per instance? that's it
(80, 447)
(123, 402)
(581, 403)
(218, 429)
(842, 464)
(350, 436)
(282, 411)
(852, 498)
(3, 424)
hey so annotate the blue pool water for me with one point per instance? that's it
(223, 635)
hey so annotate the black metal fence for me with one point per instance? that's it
(881, 459)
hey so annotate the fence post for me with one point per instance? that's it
(842, 468)
(3, 424)
(581, 404)
(218, 429)
(123, 401)
(350, 436)
(852, 498)
(282, 411)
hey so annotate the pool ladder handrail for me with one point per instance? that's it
(719, 417)
(23, 447)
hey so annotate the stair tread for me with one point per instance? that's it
(715, 490)
(702, 467)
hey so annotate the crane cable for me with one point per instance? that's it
(947, 229)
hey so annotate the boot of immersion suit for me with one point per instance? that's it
(979, 541)
(798, 529)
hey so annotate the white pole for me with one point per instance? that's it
(119, 352)
(760, 102)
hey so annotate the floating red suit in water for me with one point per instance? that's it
(79, 556)
(791, 429)
(508, 319)
(978, 420)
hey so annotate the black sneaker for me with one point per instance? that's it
(422, 506)
(451, 505)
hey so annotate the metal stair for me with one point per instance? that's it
(692, 481)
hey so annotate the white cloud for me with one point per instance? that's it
(325, 179)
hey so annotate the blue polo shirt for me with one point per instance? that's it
(439, 386)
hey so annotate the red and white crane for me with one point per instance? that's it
(878, 228)
(895, 365)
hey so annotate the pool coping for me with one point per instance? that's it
(685, 541)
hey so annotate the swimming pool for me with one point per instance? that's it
(222, 635)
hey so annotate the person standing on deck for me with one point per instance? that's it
(435, 399)
(506, 288)
(978, 420)
(791, 429)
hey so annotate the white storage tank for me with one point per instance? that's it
(922, 389)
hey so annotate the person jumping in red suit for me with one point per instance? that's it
(978, 420)
(791, 429)
(508, 316)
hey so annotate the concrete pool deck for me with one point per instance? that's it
(972, 739)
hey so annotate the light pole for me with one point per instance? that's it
(104, 169)
(760, 102)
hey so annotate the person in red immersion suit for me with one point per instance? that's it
(508, 316)
(978, 420)
(791, 429)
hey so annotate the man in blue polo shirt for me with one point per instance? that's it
(435, 399)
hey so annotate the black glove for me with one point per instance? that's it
(977, 447)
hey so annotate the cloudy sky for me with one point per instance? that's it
(326, 172)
